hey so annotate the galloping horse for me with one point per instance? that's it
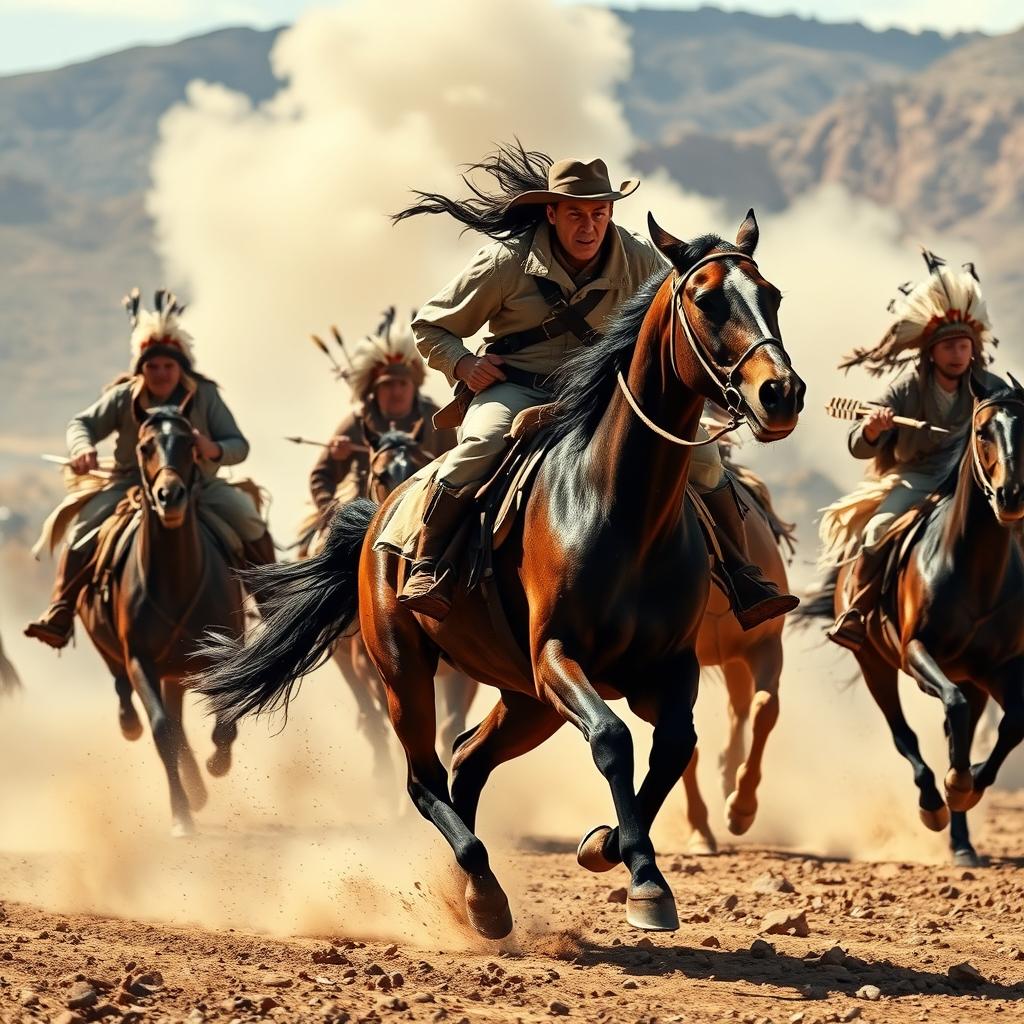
(956, 615)
(10, 681)
(604, 580)
(395, 456)
(173, 584)
(751, 664)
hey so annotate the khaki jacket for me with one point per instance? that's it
(113, 413)
(497, 288)
(345, 479)
(919, 451)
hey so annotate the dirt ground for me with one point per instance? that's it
(885, 942)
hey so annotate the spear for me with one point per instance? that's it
(325, 444)
(60, 460)
(853, 409)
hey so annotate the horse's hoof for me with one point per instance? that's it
(966, 858)
(702, 844)
(218, 764)
(935, 820)
(960, 792)
(131, 726)
(739, 821)
(651, 908)
(182, 829)
(487, 908)
(590, 852)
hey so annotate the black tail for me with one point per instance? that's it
(305, 607)
(820, 603)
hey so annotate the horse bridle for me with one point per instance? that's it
(979, 471)
(725, 378)
(147, 488)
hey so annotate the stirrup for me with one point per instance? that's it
(849, 630)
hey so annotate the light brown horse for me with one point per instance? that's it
(751, 664)
(174, 583)
(604, 581)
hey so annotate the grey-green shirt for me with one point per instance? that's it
(113, 413)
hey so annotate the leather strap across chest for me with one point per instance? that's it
(564, 318)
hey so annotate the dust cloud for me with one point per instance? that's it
(273, 222)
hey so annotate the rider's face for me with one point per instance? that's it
(395, 398)
(580, 226)
(952, 357)
(162, 375)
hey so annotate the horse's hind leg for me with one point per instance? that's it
(514, 726)
(882, 682)
(1011, 727)
(702, 842)
(218, 764)
(191, 777)
(407, 661)
(145, 680)
(959, 782)
(739, 683)
(127, 716)
(455, 693)
(371, 703)
(765, 663)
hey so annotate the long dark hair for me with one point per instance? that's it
(516, 170)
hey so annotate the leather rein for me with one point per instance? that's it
(725, 378)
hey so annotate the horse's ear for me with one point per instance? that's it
(668, 244)
(979, 389)
(186, 403)
(748, 234)
(1013, 380)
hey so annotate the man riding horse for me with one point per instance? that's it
(385, 375)
(162, 374)
(941, 337)
(555, 270)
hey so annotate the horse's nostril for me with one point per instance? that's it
(772, 393)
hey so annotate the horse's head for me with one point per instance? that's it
(997, 447)
(395, 455)
(724, 338)
(166, 454)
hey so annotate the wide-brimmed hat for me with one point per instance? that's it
(574, 179)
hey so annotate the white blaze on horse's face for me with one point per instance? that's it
(167, 462)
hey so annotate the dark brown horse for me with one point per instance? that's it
(956, 616)
(751, 665)
(604, 582)
(174, 584)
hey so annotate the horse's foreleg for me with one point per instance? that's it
(1009, 734)
(513, 727)
(563, 683)
(127, 716)
(407, 661)
(959, 782)
(191, 777)
(145, 680)
(883, 684)
(455, 693)
(766, 665)
(702, 841)
(961, 847)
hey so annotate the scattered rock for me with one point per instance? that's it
(645, 943)
(786, 922)
(835, 956)
(797, 1018)
(68, 1017)
(27, 997)
(391, 950)
(769, 883)
(558, 1009)
(267, 1003)
(81, 996)
(966, 974)
(629, 984)
(711, 942)
(277, 980)
(761, 950)
(851, 1014)
(329, 956)
(617, 896)
(870, 992)
(730, 902)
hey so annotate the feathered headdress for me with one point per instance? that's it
(157, 331)
(948, 303)
(388, 354)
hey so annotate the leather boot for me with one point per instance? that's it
(428, 590)
(57, 624)
(754, 598)
(850, 628)
(256, 553)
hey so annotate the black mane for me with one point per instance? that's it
(584, 384)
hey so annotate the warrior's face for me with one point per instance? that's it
(580, 227)
(395, 398)
(162, 375)
(952, 356)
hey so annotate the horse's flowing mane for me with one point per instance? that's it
(584, 384)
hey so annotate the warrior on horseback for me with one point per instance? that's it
(941, 337)
(555, 270)
(162, 374)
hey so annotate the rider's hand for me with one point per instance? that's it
(877, 424)
(480, 372)
(340, 447)
(84, 463)
(205, 448)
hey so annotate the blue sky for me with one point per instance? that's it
(38, 34)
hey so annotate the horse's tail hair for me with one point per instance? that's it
(819, 603)
(305, 606)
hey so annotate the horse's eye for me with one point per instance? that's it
(711, 303)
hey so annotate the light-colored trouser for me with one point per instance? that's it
(232, 505)
(487, 422)
(912, 489)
